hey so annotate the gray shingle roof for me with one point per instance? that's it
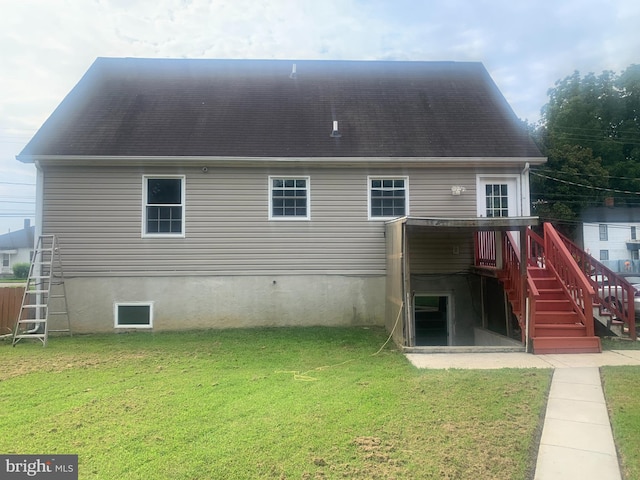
(253, 108)
(611, 214)
(18, 239)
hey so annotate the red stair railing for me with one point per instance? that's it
(574, 282)
(614, 292)
(535, 249)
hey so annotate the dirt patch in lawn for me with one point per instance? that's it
(18, 366)
(374, 459)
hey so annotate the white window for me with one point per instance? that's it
(133, 315)
(163, 206)
(388, 197)
(604, 232)
(604, 254)
(633, 233)
(289, 198)
(5, 259)
(496, 200)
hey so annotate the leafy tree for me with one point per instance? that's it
(590, 132)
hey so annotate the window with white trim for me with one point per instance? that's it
(603, 232)
(133, 315)
(163, 209)
(604, 254)
(388, 197)
(289, 198)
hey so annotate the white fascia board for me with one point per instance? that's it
(393, 162)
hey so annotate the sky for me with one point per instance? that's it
(47, 45)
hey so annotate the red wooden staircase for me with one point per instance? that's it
(556, 327)
(555, 290)
(555, 293)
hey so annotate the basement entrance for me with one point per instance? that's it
(434, 293)
(432, 319)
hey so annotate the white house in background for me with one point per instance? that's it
(16, 247)
(612, 235)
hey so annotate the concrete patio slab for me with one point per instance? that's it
(523, 360)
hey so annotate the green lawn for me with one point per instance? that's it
(609, 343)
(622, 391)
(268, 403)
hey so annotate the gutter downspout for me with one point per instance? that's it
(525, 209)
(38, 230)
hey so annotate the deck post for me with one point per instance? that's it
(499, 240)
(524, 260)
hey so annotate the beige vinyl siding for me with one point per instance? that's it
(440, 252)
(97, 213)
(431, 193)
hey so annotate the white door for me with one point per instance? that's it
(498, 197)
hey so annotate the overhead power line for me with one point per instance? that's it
(581, 174)
(591, 187)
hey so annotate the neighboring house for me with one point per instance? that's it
(16, 247)
(232, 193)
(612, 235)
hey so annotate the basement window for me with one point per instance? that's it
(133, 315)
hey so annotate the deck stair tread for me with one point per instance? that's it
(557, 326)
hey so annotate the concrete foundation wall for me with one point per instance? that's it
(182, 303)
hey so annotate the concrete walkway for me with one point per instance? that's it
(577, 442)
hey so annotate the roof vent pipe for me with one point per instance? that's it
(335, 132)
(293, 72)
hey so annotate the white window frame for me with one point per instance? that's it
(604, 253)
(603, 232)
(370, 178)
(116, 305)
(289, 218)
(183, 185)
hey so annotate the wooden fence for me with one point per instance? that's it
(10, 302)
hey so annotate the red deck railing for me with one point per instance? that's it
(574, 282)
(549, 252)
(485, 249)
(614, 292)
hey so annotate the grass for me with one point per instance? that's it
(267, 403)
(622, 391)
(614, 343)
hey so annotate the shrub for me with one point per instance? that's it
(21, 270)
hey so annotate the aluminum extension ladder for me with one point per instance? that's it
(45, 294)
